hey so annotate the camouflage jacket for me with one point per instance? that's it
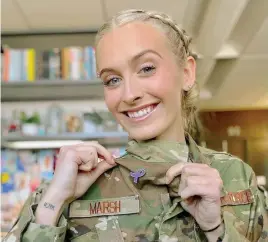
(123, 207)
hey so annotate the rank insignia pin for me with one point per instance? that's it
(137, 174)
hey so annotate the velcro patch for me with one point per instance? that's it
(103, 207)
(238, 198)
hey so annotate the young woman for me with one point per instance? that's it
(165, 188)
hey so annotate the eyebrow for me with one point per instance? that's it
(133, 59)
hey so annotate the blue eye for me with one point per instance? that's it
(112, 82)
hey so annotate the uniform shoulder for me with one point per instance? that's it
(226, 162)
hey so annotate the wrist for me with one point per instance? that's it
(57, 193)
(215, 234)
(213, 228)
(209, 227)
(49, 208)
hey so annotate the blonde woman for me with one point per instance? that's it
(165, 188)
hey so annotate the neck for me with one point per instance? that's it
(173, 133)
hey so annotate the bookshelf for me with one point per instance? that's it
(63, 73)
(42, 90)
(56, 141)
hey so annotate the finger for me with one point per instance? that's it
(101, 151)
(200, 170)
(89, 165)
(210, 192)
(87, 156)
(191, 169)
(174, 171)
(189, 181)
(183, 182)
(102, 167)
(199, 180)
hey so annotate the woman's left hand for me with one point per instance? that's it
(200, 189)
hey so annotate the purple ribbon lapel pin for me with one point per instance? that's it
(137, 174)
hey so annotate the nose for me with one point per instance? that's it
(132, 92)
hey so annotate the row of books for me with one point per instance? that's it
(22, 172)
(70, 63)
(18, 64)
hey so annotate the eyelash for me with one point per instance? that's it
(151, 67)
(107, 83)
(144, 70)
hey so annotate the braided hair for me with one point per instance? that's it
(180, 44)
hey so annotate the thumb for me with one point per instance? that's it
(101, 167)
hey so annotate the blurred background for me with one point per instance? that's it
(50, 95)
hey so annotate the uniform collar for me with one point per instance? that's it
(163, 151)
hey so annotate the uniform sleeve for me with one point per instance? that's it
(257, 229)
(25, 228)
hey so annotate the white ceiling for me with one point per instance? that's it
(231, 37)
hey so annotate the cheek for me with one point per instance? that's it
(166, 86)
(111, 100)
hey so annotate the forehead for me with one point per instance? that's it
(128, 40)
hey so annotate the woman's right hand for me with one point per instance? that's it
(78, 167)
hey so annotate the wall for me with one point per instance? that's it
(43, 42)
(251, 144)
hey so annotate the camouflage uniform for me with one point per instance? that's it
(116, 208)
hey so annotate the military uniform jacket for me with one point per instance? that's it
(132, 202)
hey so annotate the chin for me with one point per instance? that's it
(143, 133)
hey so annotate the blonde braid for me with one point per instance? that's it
(186, 40)
(180, 43)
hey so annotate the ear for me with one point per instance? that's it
(189, 73)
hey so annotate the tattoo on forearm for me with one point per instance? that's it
(49, 206)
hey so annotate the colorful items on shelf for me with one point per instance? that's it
(18, 64)
(57, 121)
(70, 63)
(21, 174)
(78, 63)
(30, 123)
(54, 121)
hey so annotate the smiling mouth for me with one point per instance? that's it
(142, 113)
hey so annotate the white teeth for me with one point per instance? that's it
(140, 113)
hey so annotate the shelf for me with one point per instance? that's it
(52, 141)
(42, 90)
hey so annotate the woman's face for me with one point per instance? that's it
(143, 81)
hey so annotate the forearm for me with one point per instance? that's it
(26, 228)
(49, 208)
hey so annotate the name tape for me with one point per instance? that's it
(238, 198)
(104, 207)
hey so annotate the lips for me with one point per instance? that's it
(142, 112)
